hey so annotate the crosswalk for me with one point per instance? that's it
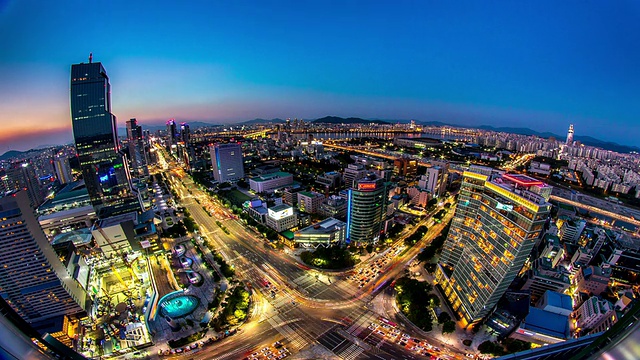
(286, 329)
(351, 352)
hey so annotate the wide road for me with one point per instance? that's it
(305, 311)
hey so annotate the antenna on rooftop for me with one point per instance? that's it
(90, 58)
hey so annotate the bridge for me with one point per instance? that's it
(594, 209)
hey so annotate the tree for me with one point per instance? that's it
(444, 317)
(489, 347)
(448, 327)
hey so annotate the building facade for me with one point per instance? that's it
(227, 162)
(309, 201)
(105, 173)
(281, 218)
(366, 210)
(270, 182)
(33, 280)
(498, 220)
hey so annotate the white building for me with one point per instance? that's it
(281, 218)
(271, 181)
(591, 313)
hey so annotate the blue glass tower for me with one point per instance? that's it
(94, 129)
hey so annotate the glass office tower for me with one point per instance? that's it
(366, 210)
(498, 219)
(94, 129)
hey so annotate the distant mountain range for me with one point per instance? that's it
(587, 140)
(349, 120)
(263, 121)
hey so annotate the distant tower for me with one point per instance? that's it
(570, 135)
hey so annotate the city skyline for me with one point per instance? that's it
(501, 65)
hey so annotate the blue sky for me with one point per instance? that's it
(537, 64)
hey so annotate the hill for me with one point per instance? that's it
(350, 120)
(10, 154)
(262, 121)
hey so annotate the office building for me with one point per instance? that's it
(334, 206)
(571, 230)
(593, 280)
(352, 173)
(406, 167)
(498, 219)
(543, 328)
(329, 180)
(590, 315)
(104, 170)
(328, 232)
(185, 133)
(22, 176)
(543, 276)
(290, 195)
(434, 181)
(271, 181)
(281, 218)
(33, 280)
(171, 135)
(137, 149)
(227, 162)
(366, 210)
(309, 201)
(63, 169)
(556, 303)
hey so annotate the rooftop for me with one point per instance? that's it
(547, 323)
(270, 176)
(558, 300)
(326, 226)
(280, 207)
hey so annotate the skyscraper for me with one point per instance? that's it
(570, 135)
(366, 209)
(227, 162)
(63, 169)
(497, 222)
(137, 153)
(33, 280)
(105, 173)
(22, 176)
(171, 134)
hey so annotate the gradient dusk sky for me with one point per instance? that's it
(536, 64)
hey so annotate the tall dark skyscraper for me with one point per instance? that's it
(94, 130)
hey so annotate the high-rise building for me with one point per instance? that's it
(63, 169)
(171, 135)
(497, 222)
(227, 162)
(22, 176)
(137, 151)
(185, 133)
(434, 181)
(570, 135)
(33, 280)
(104, 170)
(366, 210)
